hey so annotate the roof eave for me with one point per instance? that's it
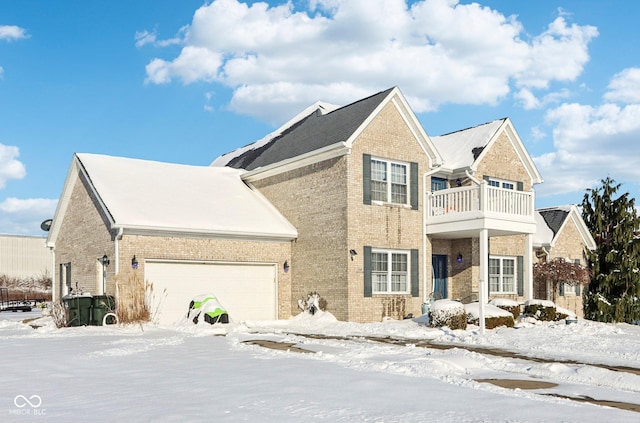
(208, 233)
(334, 150)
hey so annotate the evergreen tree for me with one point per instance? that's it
(612, 294)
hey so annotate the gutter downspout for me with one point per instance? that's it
(117, 256)
(424, 232)
(470, 176)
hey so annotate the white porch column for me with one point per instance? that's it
(528, 267)
(484, 271)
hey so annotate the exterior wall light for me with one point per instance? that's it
(134, 262)
(459, 258)
(285, 266)
(353, 253)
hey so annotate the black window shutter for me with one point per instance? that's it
(61, 279)
(520, 270)
(415, 274)
(413, 192)
(561, 287)
(368, 286)
(520, 186)
(366, 178)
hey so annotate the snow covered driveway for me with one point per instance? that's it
(190, 374)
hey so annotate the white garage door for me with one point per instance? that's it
(246, 291)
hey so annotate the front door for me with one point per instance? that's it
(439, 265)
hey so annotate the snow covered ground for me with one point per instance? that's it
(191, 374)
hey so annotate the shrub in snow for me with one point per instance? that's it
(541, 310)
(494, 316)
(313, 303)
(448, 313)
(511, 306)
(497, 321)
(59, 314)
(132, 299)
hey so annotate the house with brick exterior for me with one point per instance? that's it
(365, 209)
(562, 234)
(388, 217)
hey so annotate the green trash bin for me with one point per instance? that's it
(78, 309)
(101, 305)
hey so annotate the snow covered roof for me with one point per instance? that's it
(142, 195)
(551, 220)
(544, 234)
(461, 148)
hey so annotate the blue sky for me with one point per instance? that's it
(185, 81)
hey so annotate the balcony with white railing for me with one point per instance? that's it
(463, 211)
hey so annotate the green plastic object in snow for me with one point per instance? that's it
(209, 308)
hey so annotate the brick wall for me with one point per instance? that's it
(314, 200)
(210, 250)
(501, 161)
(83, 238)
(324, 201)
(384, 226)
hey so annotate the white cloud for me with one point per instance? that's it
(558, 54)
(625, 86)
(12, 32)
(24, 216)
(528, 100)
(10, 167)
(145, 37)
(591, 143)
(438, 51)
(537, 134)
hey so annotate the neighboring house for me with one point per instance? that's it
(371, 213)
(562, 233)
(24, 257)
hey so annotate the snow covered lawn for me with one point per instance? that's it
(191, 374)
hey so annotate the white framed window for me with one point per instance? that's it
(389, 181)
(502, 275)
(501, 183)
(569, 290)
(390, 271)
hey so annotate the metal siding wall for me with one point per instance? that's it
(24, 257)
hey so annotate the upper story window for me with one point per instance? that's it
(389, 181)
(501, 183)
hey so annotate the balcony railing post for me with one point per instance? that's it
(483, 196)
